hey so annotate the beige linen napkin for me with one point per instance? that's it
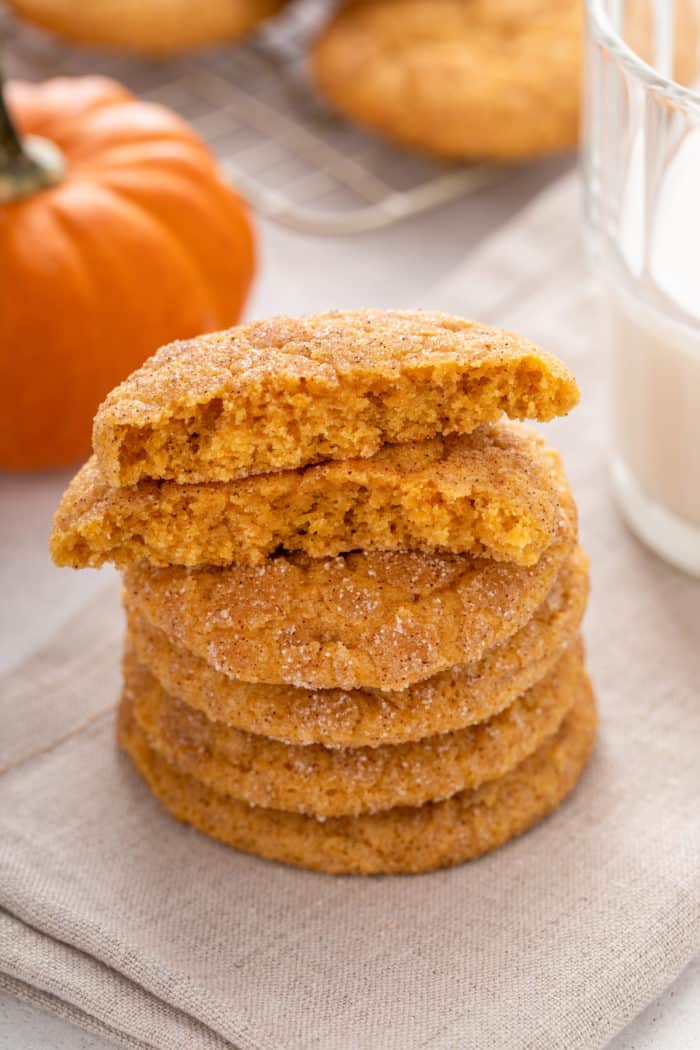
(145, 931)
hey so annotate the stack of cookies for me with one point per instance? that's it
(353, 588)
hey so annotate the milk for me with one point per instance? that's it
(652, 298)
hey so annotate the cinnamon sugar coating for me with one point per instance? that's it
(451, 700)
(331, 782)
(488, 493)
(459, 79)
(372, 619)
(402, 839)
(287, 392)
(496, 79)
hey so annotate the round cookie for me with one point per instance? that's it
(404, 839)
(496, 79)
(287, 392)
(366, 619)
(148, 27)
(488, 493)
(330, 782)
(451, 700)
(458, 78)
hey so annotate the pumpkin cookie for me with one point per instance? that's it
(378, 619)
(448, 701)
(498, 79)
(488, 493)
(403, 839)
(155, 27)
(457, 78)
(285, 393)
(331, 782)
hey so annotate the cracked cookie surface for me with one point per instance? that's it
(495, 79)
(479, 79)
(288, 392)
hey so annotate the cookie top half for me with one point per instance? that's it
(287, 392)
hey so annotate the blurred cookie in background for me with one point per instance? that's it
(467, 78)
(148, 27)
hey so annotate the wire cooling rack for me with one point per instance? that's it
(293, 159)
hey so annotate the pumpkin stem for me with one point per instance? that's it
(26, 165)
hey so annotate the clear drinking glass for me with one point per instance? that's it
(642, 207)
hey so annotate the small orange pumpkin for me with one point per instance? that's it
(116, 236)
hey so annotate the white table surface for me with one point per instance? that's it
(394, 267)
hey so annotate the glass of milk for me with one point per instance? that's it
(642, 202)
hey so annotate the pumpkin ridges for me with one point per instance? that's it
(129, 218)
(26, 423)
(115, 119)
(39, 107)
(166, 154)
(244, 252)
(214, 245)
(94, 281)
(107, 296)
(133, 122)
